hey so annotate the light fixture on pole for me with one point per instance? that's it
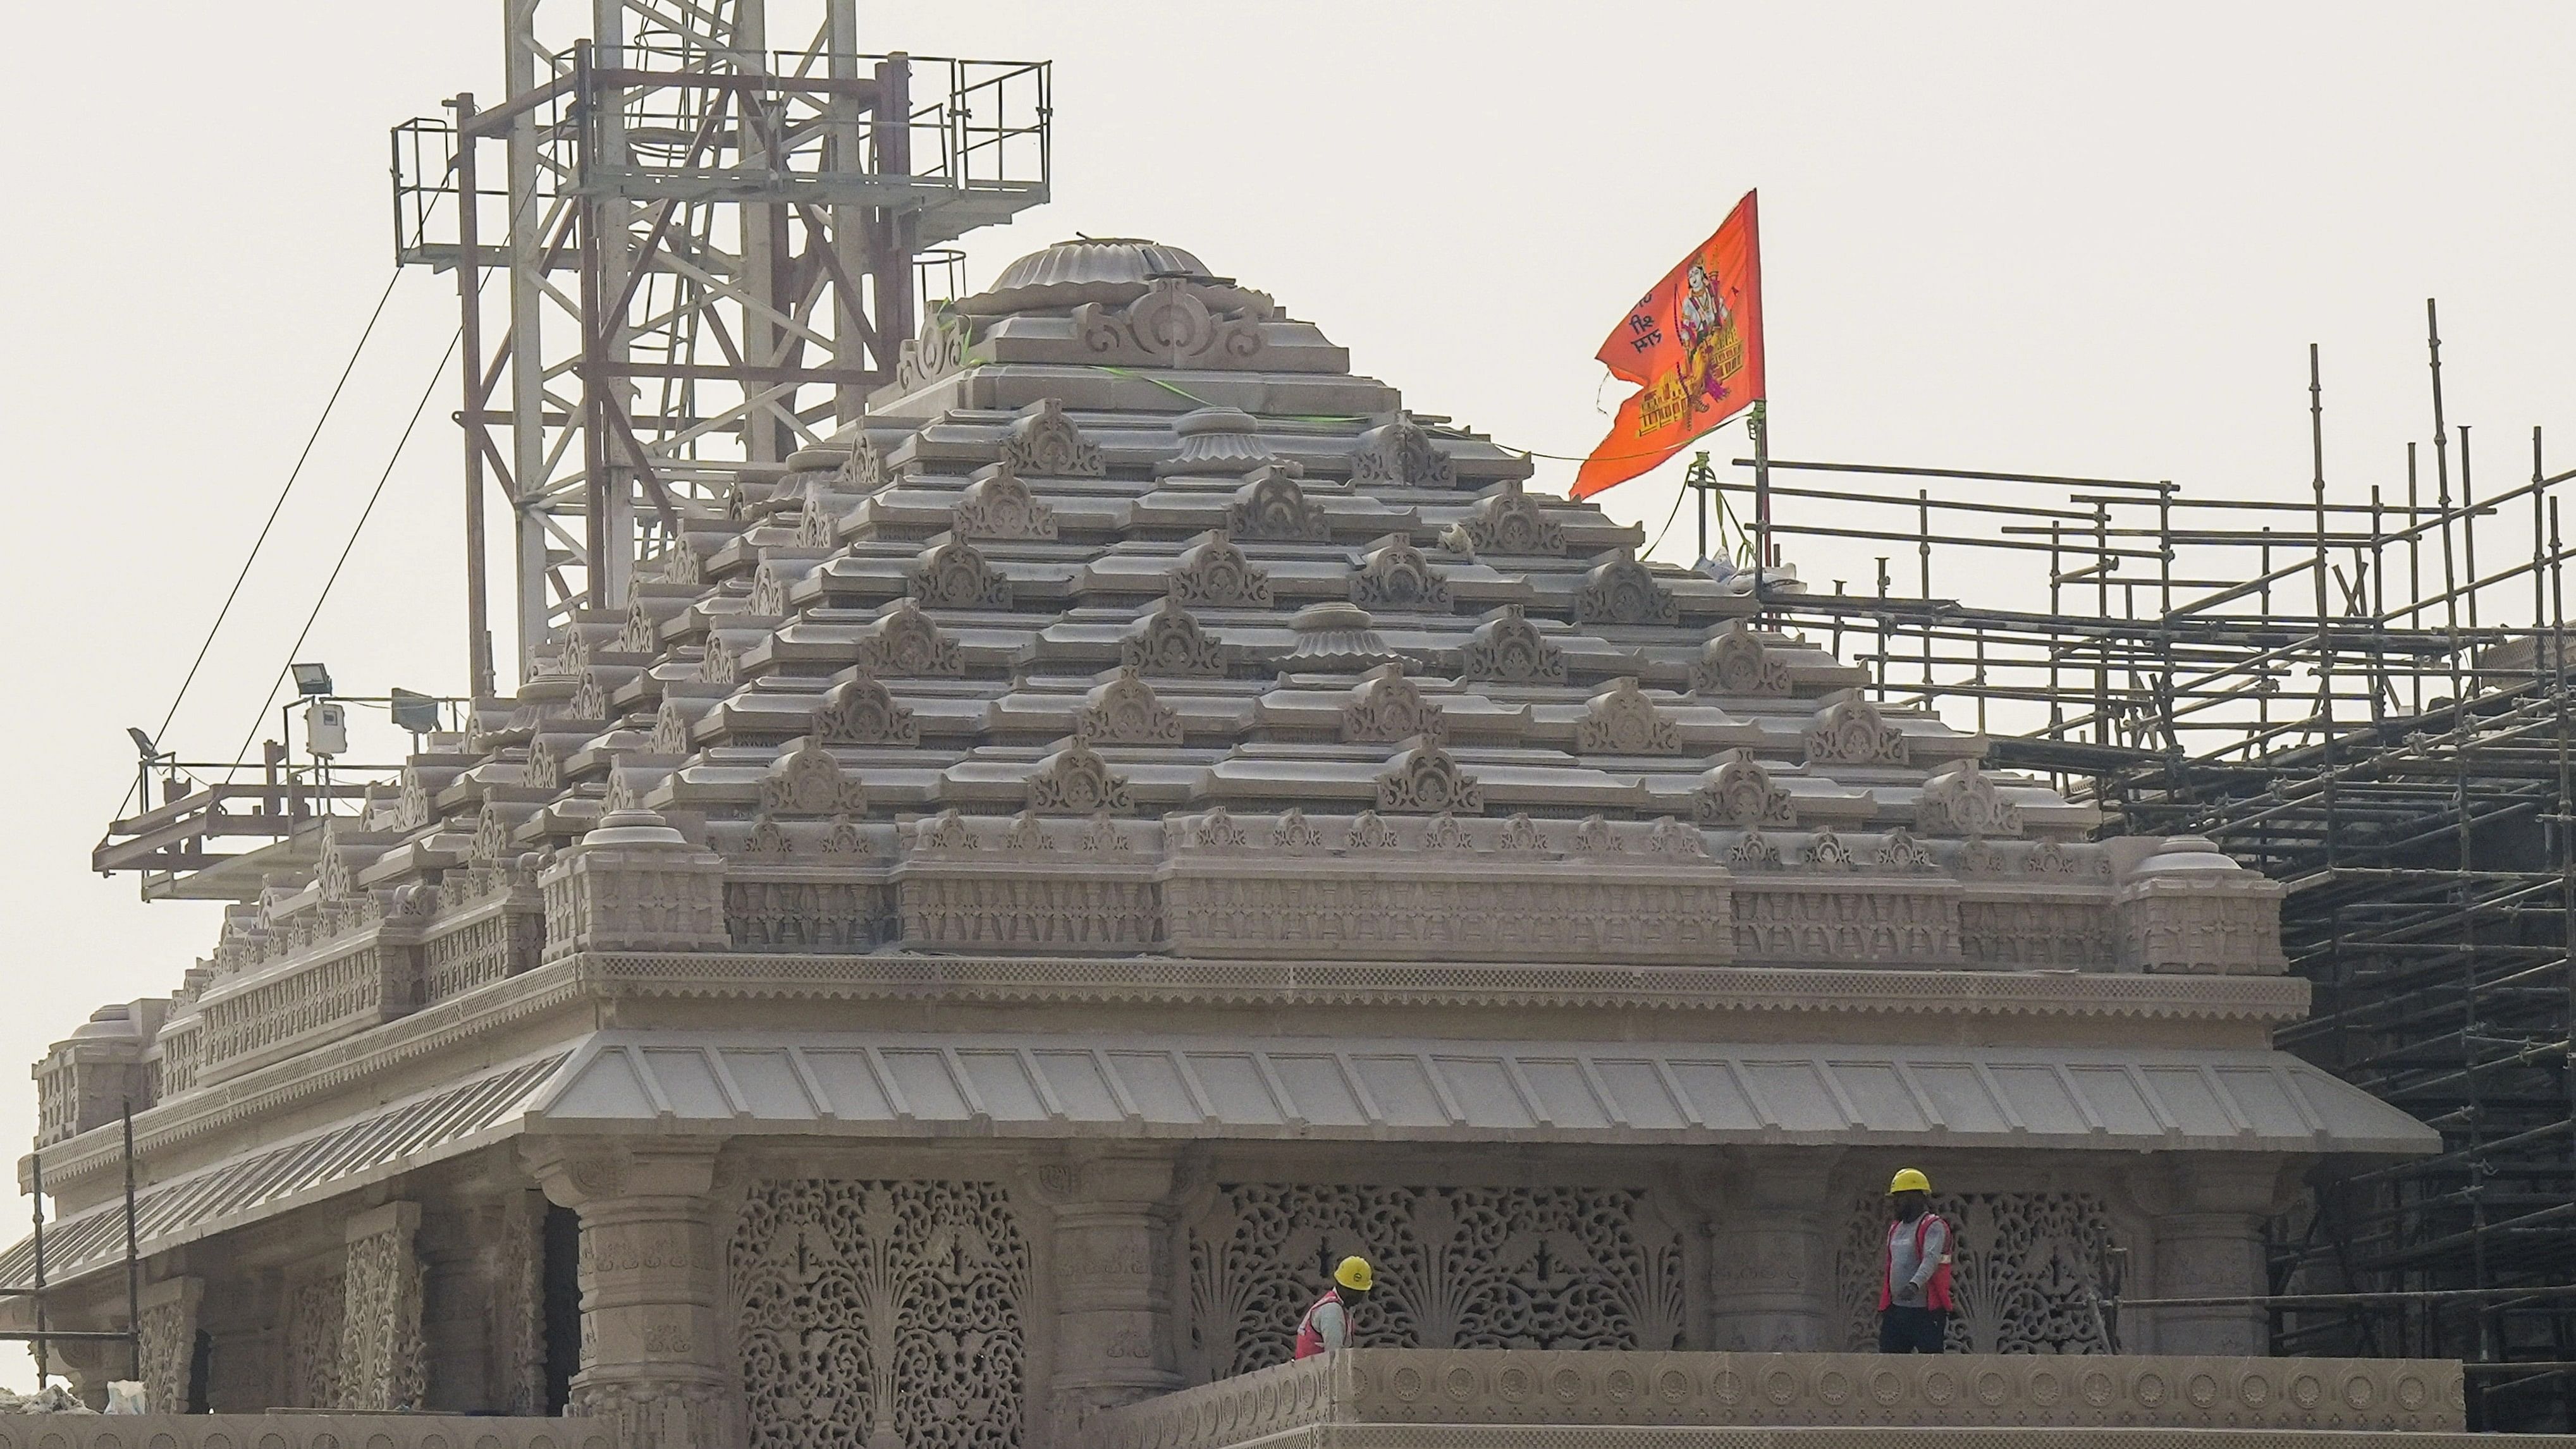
(311, 678)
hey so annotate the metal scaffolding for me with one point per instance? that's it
(710, 248)
(2359, 693)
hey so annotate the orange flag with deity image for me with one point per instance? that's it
(1694, 345)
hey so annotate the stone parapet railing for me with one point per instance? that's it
(299, 1431)
(1570, 1388)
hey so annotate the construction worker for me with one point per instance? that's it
(1914, 1294)
(1327, 1325)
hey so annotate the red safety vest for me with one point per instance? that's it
(1936, 1294)
(1310, 1341)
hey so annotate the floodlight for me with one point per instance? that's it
(414, 712)
(311, 678)
(142, 742)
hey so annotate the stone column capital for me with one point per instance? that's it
(583, 1172)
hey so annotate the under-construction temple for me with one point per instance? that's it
(2354, 693)
(1015, 824)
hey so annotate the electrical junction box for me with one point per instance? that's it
(326, 730)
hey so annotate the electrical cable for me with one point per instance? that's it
(292, 474)
(436, 374)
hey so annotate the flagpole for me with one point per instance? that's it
(1757, 421)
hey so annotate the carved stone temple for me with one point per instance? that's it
(1019, 890)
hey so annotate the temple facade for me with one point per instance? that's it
(1021, 888)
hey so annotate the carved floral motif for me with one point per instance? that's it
(1425, 779)
(997, 505)
(880, 1314)
(1170, 642)
(808, 781)
(1401, 454)
(1076, 781)
(1043, 443)
(1849, 731)
(1509, 648)
(955, 576)
(1125, 712)
(1620, 590)
(1387, 707)
(1396, 575)
(1213, 573)
(1623, 721)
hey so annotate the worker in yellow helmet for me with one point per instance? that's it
(1327, 1325)
(1914, 1293)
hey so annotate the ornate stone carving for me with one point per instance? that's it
(317, 1310)
(383, 1358)
(168, 1326)
(1043, 443)
(1213, 573)
(1401, 454)
(1671, 837)
(671, 724)
(1387, 708)
(1369, 832)
(1960, 800)
(1593, 837)
(1620, 590)
(1125, 712)
(1394, 574)
(938, 352)
(864, 471)
(1508, 520)
(1425, 779)
(1445, 833)
(1102, 837)
(998, 505)
(1169, 326)
(1800, 920)
(2025, 1268)
(1552, 1267)
(1215, 830)
(1521, 835)
(1274, 505)
(1849, 731)
(1075, 781)
(955, 576)
(1218, 441)
(1736, 662)
(946, 830)
(2036, 932)
(904, 641)
(515, 1314)
(1026, 836)
(881, 1315)
(1901, 851)
(1826, 851)
(805, 915)
(1524, 1398)
(1738, 791)
(1295, 835)
(767, 840)
(818, 523)
(1170, 642)
(861, 711)
(1755, 851)
(719, 665)
(1509, 648)
(1624, 722)
(808, 781)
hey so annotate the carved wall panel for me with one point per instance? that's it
(2030, 931)
(880, 1314)
(169, 1329)
(1468, 1267)
(1847, 926)
(317, 1308)
(2026, 1266)
(803, 914)
(383, 1362)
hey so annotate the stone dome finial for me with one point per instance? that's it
(1112, 271)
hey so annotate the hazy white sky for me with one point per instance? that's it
(2046, 237)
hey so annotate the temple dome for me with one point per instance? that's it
(1108, 270)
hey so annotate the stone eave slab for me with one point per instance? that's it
(1143, 1083)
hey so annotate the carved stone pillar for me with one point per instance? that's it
(650, 1340)
(1112, 1344)
(2209, 1244)
(170, 1312)
(1771, 1256)
(383, 1358)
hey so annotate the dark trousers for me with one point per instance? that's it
(1911, 1330)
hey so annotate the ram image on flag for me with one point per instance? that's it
(1694, 346)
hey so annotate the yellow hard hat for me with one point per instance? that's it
(1355, 1274)
(1908, 1179)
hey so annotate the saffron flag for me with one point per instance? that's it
(1694, 344)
